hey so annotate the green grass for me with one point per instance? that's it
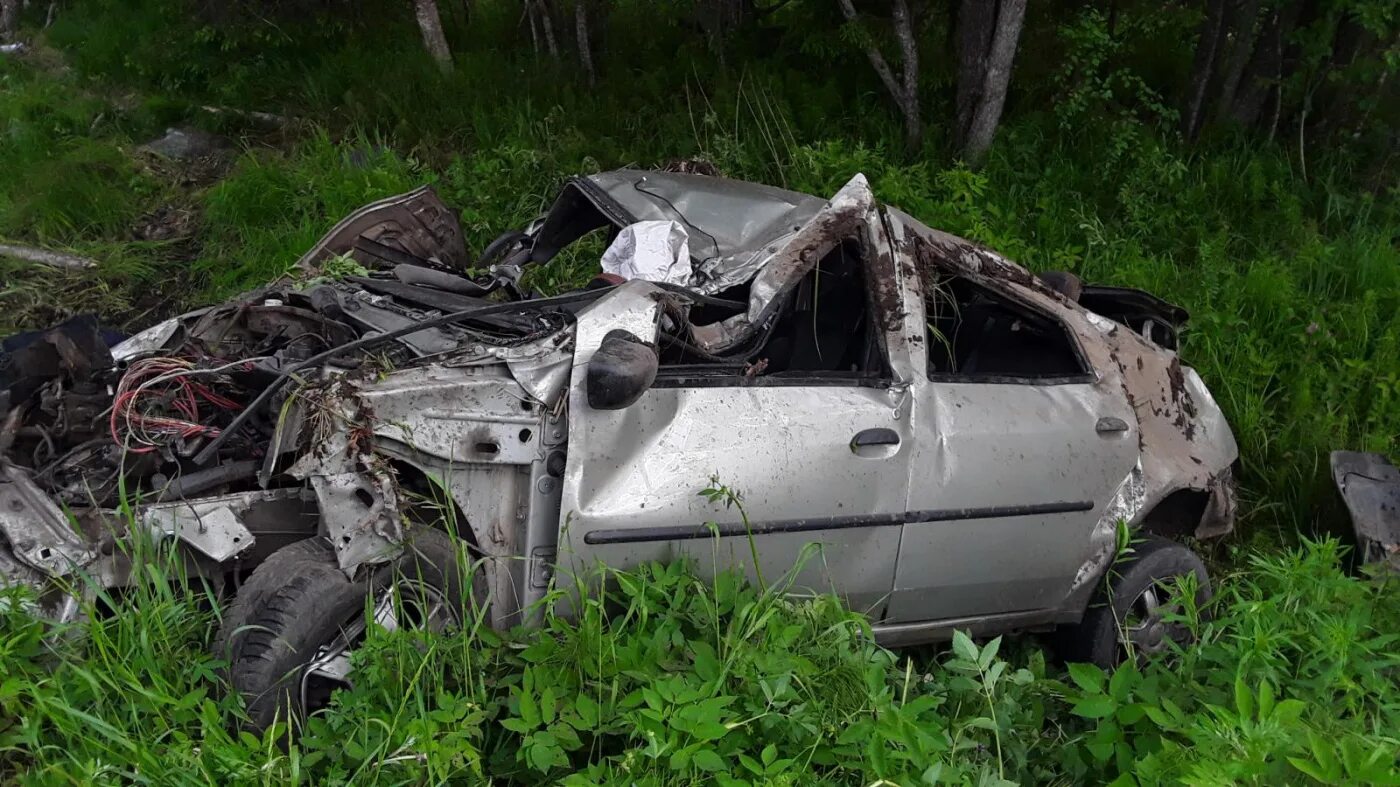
(668, 679)
(1293, 284)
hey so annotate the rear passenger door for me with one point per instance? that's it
(1016, 453)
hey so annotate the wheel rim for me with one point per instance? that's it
(405, 604)
(1146, 628)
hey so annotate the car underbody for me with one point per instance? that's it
(393, 381)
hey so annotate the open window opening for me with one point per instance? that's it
(826, 330)
(977, 334)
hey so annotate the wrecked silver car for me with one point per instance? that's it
(418, 435)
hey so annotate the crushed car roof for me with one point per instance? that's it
(730, 223)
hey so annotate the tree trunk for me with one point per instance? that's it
(1266, 68)
(430, 23)
(976, 23)
(1010, 17)
(534, 27)
(585, 50)
(909, 51)
(541, 8)
(905, 94)
(1245, 26)
(1203, 68)
(1337, 104)
(9, 19)
(719, 18)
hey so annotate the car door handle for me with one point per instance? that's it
(869, 437)
(1110, 425)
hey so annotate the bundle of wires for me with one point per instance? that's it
(160, 400)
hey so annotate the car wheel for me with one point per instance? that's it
(1129, 614)
(266, 577)
(303, 618)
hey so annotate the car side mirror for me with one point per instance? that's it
(622, 369)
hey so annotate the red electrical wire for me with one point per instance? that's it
(157, 401)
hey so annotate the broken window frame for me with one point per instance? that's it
(1086, 375)
(706, 375)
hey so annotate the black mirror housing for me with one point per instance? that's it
(622, 369)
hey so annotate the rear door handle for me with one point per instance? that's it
(869, 437)
(1109, 425)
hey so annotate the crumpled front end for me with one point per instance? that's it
(248, 425)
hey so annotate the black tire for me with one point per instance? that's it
(271, 574)
(1117, 621)
(303, 602)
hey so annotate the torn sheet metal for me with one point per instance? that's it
(460, 415)
(726, 218)
(1370, 487)
(212, 525)
(355, 493)
(650, 251)
(36, 529)
(731, 224)
(1125, 507)
(842, 218)
(145, 342)
(417, 224)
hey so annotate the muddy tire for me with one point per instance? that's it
(301, 607)
(1126, 614)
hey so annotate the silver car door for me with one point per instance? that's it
(820, 458)
(1017, 454)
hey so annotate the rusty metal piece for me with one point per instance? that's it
(417, 223)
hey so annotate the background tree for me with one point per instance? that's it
(541, 20)
(584, 38)
(905, 90)
(434, 39)
(1315, 66)
(9, 19)
(988, 35)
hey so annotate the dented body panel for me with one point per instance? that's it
(807, 371)
(1184, 440)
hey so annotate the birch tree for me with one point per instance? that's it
(905, 90)
(989, 32)
(9, 19)
(434, 40)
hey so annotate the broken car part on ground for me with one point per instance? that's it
(1370, 487)
(959, 437)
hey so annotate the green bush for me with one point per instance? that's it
(274, 206)
(60, 184)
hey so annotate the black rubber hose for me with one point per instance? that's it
(499, 245)
(191, 484)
